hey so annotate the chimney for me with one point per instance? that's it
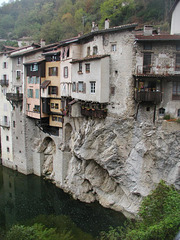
(93, 26)
(43, 42)
(106, 23)
(148, 30)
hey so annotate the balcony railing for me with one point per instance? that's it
(4, 83)
(5, 124)
(150, 96)
(94, 113)
(156, 70)
(14, 97)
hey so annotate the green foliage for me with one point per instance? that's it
(118, 11)
(62, 224)
(60, 19)
(8, 43)
(36, 232)
(159, 218)
(167, 117)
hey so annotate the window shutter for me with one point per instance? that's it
(84, 87)
(77, 87)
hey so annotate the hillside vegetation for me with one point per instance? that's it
(59, 19)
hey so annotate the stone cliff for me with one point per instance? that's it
(118, 162)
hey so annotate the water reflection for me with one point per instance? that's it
(30, 198)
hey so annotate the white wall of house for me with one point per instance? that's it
(5, 112)
(99, 74)
(175, 26)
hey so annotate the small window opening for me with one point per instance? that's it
(161, 112)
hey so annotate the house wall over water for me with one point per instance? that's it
(98, 131)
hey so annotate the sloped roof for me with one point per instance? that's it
(45, 84)
(35, 61)
(89, 58)
(163, 37)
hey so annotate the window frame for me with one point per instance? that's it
(34, 67)
(80, 86)
(113, 47)
(177, 62)
(92, 87)
(30, 93)
(53, 71)
(66, 72)
(175, 90)
(87, 65)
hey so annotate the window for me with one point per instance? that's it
(80, 66)
(147, 63)
(4, 77)
(113, 47)
(63, 54)
(88, 51)
(68, 52)
(177, 67)
(147, 46)
(36, 108)
(74, 87)
(30, 93)
(161, 112)
(56, 105)
(18, 75)
(95, 50)
(8, 149)
(53, 71)
(37, 80)
(66, 72)
(80, 86)
(176, 91)
(37, 93)
(34, 67)
(55, 58)
(53, 90)
(5, 120)
(178, 47)
(7, 138)
(52, 105)
(87, 67)
(14, 124)
(178, 113)
(4, 64)
(19, 60)
(54, 118)
(93, 87)
(28, 106)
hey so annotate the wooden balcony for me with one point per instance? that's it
(4, 83)
(151, 70)
(14, 97)
(143, 96)
(94, 113)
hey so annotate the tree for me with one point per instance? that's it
(159, 217)
(118, 11)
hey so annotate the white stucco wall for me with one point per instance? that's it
(175, 26)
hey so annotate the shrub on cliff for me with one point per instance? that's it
(159, 218)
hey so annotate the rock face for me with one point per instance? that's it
(118, 162)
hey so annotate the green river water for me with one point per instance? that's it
(29, 199)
